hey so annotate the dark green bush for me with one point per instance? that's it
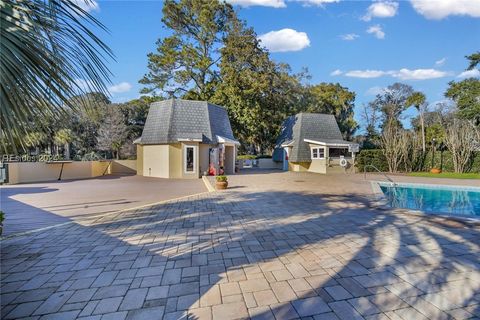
(252, 156)
(246, 157)
(371, 156)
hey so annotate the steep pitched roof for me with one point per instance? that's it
(174, 120)
(312, 126)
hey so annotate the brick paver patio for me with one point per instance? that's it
(282, 253)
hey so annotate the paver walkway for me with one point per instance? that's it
(281, 253)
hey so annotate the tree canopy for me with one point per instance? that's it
(258, 93)
(332, 98)
(392, 102)
(185, 63)
(466, 95)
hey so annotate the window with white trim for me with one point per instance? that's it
(318, 153)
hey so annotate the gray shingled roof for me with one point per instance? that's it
(313, 126)
(174, 120)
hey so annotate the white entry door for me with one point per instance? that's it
(285, 159)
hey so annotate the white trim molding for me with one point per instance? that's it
(322, 143)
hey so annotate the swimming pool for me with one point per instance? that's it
(451, 200)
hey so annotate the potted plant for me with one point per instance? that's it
(222, 182)
(435, 170)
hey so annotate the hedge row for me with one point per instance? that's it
(251, 156)
(442, 160)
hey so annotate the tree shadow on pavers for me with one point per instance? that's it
(455, 282)
(380, 273)
(367, 257)
(329, 240)
(270, 207)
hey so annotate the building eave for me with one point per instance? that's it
(227, 141)
(345, 144)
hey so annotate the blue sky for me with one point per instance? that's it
(363, 45)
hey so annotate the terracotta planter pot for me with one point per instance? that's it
(221, 185)
(435, 170)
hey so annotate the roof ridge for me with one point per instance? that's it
(210, 122)
(171, 107)
(298, 123)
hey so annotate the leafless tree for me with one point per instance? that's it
(370, 115)
(113, 131)
(461, 140)
(391, 140)
(411, 150)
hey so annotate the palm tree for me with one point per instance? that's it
(417, 99)
(64, 137)
(48, 56)
(35, 140)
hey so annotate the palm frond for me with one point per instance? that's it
(46, 47)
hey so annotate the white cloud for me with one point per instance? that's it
(439, 9)
(284, 40)
(440, 62)
(349, 36)
(402, 74)
(373, 91)
(87, 5)
(318, 3)
(278, 3)
(365, 74)
(262, 3)
(120, 87)
(381, 9)
(418, 74)
(336, 72)
(474, 73)
(377, 31)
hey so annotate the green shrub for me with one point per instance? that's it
(264, 156)
(221, 178)
(442, 160)
(246, 157)
(371, 157)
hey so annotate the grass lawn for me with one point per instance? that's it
(451, 175)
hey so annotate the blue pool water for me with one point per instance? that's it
(434, 199)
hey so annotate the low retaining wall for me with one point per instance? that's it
(28, 172)
(124, 167)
